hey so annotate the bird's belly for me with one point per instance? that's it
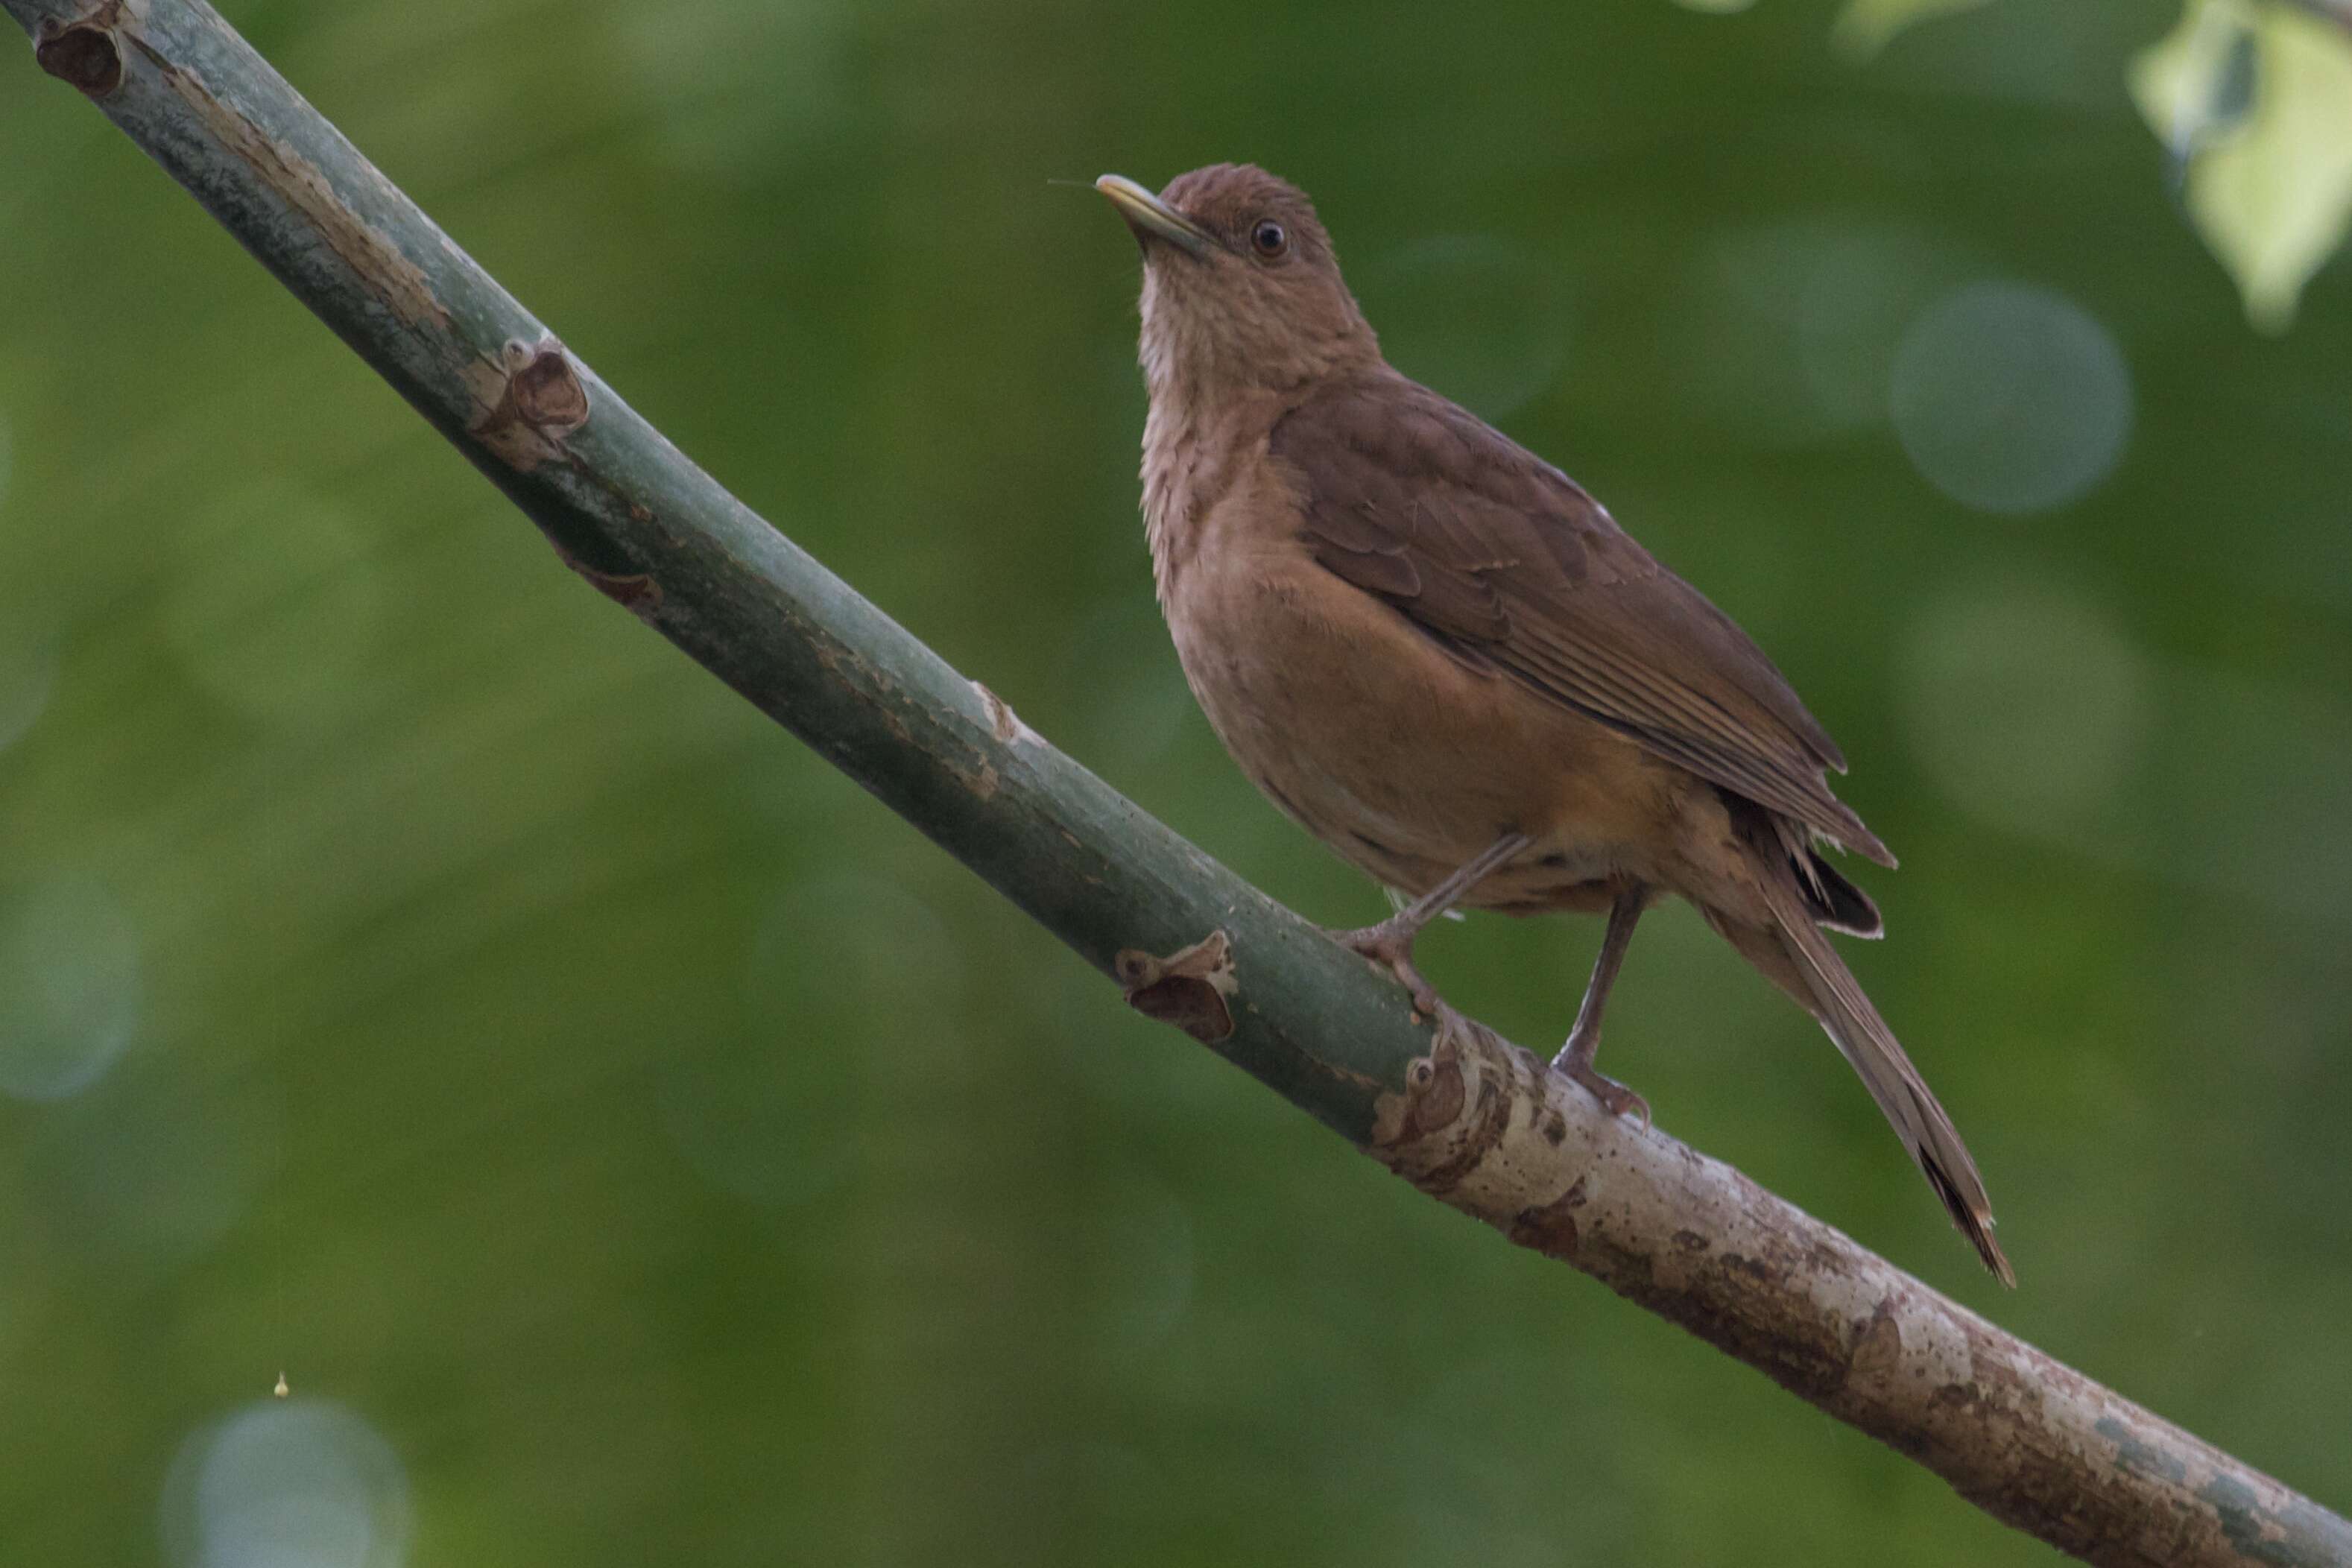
(1400, 757)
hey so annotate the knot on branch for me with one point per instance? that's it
(1473, 1099)
(1189, 989)
(532, 396)
(84, 53)
(1483, 1125)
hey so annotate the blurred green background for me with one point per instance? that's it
(416, 976)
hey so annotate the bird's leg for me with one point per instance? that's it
(1575, 1059)
(1391, 941)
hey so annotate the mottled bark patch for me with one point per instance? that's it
(1003, 721)
(1877, 1355)
(1190, 989)
(376, 263)
(2135, 1453)
(1550, 1229)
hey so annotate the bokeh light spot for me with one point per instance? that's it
(733, 112)
(29, 672)
(299, 1483)
(2026, 706)
(155, 1163)
(1787, 330)
(838, 969)
(277, 605)
(2011, 398)
(1126, 687)
(70, 986)
(1141, 1264)
(1471, 315)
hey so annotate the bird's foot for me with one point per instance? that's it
(1390, 944)
(1576, 1064)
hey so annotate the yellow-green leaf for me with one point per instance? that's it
(1864, 25)
(2178, 82)
(2271, 193)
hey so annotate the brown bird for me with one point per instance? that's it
(1439, 655)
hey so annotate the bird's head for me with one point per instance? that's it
(1240, 287)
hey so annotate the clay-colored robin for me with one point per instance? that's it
(1444, 660)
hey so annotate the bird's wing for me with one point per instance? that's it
(1504, 560)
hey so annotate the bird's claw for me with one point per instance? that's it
(1392, 949)
(1619, 1099)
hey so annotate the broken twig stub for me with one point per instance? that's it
(1189, 989)
(83, 54)
(531, 398)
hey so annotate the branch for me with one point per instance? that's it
(1467, 1117)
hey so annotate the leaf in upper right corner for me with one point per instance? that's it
(2198, 79)
(1864, 25)
(2256, 99)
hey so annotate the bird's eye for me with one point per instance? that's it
(1269, 238)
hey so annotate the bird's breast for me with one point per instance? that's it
(1201, 455)
(1405, 759)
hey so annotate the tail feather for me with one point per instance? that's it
(1800, 957)
(1836, 902)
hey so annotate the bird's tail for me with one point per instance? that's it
(1797, 955)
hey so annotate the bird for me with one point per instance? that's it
(1444, 660)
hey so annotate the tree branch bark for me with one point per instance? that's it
(1468, 1118)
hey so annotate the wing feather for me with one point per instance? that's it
(1500, 556)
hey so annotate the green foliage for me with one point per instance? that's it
(2254, 96)
(1864, 25)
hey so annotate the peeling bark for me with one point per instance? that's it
(1191, 989)
(1465, 1116)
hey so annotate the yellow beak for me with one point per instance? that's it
(1152, 218)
